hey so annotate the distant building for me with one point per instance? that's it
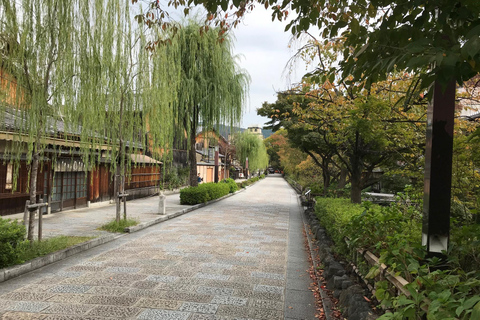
(256, 130)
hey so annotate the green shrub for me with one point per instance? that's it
(262, 176)
(203, 193)
(12, 234)
(231, 184)
(335, 215)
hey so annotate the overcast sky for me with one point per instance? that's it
(264, 46)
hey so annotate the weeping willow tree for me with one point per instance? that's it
(250, 146)
(123, 94)
(81, 65)
(211, 89)
(37, 44)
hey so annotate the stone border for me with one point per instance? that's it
(15, 271)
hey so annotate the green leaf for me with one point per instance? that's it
(354, 26)
(475, 312)
(372, 12)
(471, 302)
(471, 47)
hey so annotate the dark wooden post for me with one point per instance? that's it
(216, 165)
(438, 170)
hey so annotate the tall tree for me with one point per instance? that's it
(211, 89)
(37, 44)
(85, 63)
(249, 146)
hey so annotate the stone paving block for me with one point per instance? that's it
(225, 284)
(29, 306)
(158, 304)
(212, 276)
(22, 316)
(269, 289)
(76, 281)
(27, 296)
(69, 288)
(199, 307)
(202, 316)
(145, 284)
(112, 300)
(48, 280)
(152, 314)
(266, 304)
(179, 287)
(114, 311)
(114, 291)
(69, 274)
(268, 275)
(5, 305)
(184, 296)
(183, 273)
(234, 301)
(86, 268)
(258, 295)
(110, 282)
(70, 309)
(68, 298)
(141, 293)
(232, 311)
(71, 317)
(215, 291)
(258, 313)
(160, 278)
(123, 269)
(127, 277)
(34, 288)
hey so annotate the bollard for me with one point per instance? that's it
(162, 200)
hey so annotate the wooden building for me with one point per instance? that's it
(62, 179)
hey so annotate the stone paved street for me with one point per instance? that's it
(239, 258)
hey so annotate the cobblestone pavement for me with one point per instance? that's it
(239, 258)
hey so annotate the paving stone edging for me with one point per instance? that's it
(15, 271)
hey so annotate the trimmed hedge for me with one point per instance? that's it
(12, 234)
(231, 184)
(203, 193)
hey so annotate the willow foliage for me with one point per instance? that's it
(80, 74)
(250, 146)
(211, 89)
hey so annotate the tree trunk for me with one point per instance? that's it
(192, 158)
(325, 175)
(116, 192)
(356, 181)
(33, 193)
(342, 181)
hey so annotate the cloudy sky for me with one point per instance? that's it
(265, 49)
